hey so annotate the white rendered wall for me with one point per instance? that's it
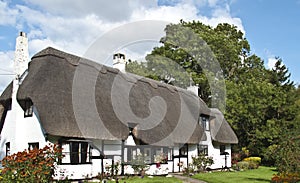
(20, 131)
(214, 151)
(74, 172)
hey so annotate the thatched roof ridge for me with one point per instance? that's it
(76, 97)
(220, 129)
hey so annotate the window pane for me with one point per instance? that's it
(7, 153)
(183, 150)
(28, 108)
(74, 154)
(32, 146)
(84, 152)
(147, 153)
(170, 154)
(222, 149)
(203, 149)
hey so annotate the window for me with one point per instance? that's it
(76, 152)
(203, 149)
(28, 108)
(131, 153)
(7, 149)
(183, 151)
(170, 153)
(222, 149)
(32, 146)
(151, 154)
(147, 154)
(204, 122)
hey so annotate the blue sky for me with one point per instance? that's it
(271, 26)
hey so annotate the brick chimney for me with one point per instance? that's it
(119, 62)
(194, 89)
(21, 55)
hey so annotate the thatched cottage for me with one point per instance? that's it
(103, 116)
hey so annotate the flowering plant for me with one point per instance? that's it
(35, 165)
(161, 158)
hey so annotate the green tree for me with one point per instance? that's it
(288, 149)
(260, 103)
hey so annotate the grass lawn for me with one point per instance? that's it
(156, 179)
(260, 175)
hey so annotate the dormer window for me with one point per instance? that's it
(204, 122)
(28, 109)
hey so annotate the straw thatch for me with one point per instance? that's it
(220, 129)
(75, 97)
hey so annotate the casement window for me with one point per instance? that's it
(203, 149)
(150, 154)
(183, 151)
(162, 154)
(7, 149)
(34, 145)
(204, 122)
(28, 108)
(76, 152)
(222, 149)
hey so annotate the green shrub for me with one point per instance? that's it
(254, 162)
(286, 178)
(253, 165)
(288, 156)
(139, 163)
(242, 165)
(201, 162)
(36, 165)
(253, 159)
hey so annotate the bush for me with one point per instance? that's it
(242, 165)
(254, 162)
(235, 158)
(253, 159)
(253, 165)
(288, 156)
(286, 178)
(139, 163)
(201, 162)
(36, 165)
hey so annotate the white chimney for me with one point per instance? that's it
(21, 55)
(194, 89)
(119, 62)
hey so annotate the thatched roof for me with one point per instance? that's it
(220, 129)
(5, 102)
(5, 97)
(75, 97)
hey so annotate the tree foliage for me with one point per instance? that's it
(262, 105)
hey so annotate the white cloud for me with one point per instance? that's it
(113, 10)
(167, 13)
(222, 15)
(7, 15)
(212, 3)
(75, 33)
(6, 68)
(73, 25)
(271, 62)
